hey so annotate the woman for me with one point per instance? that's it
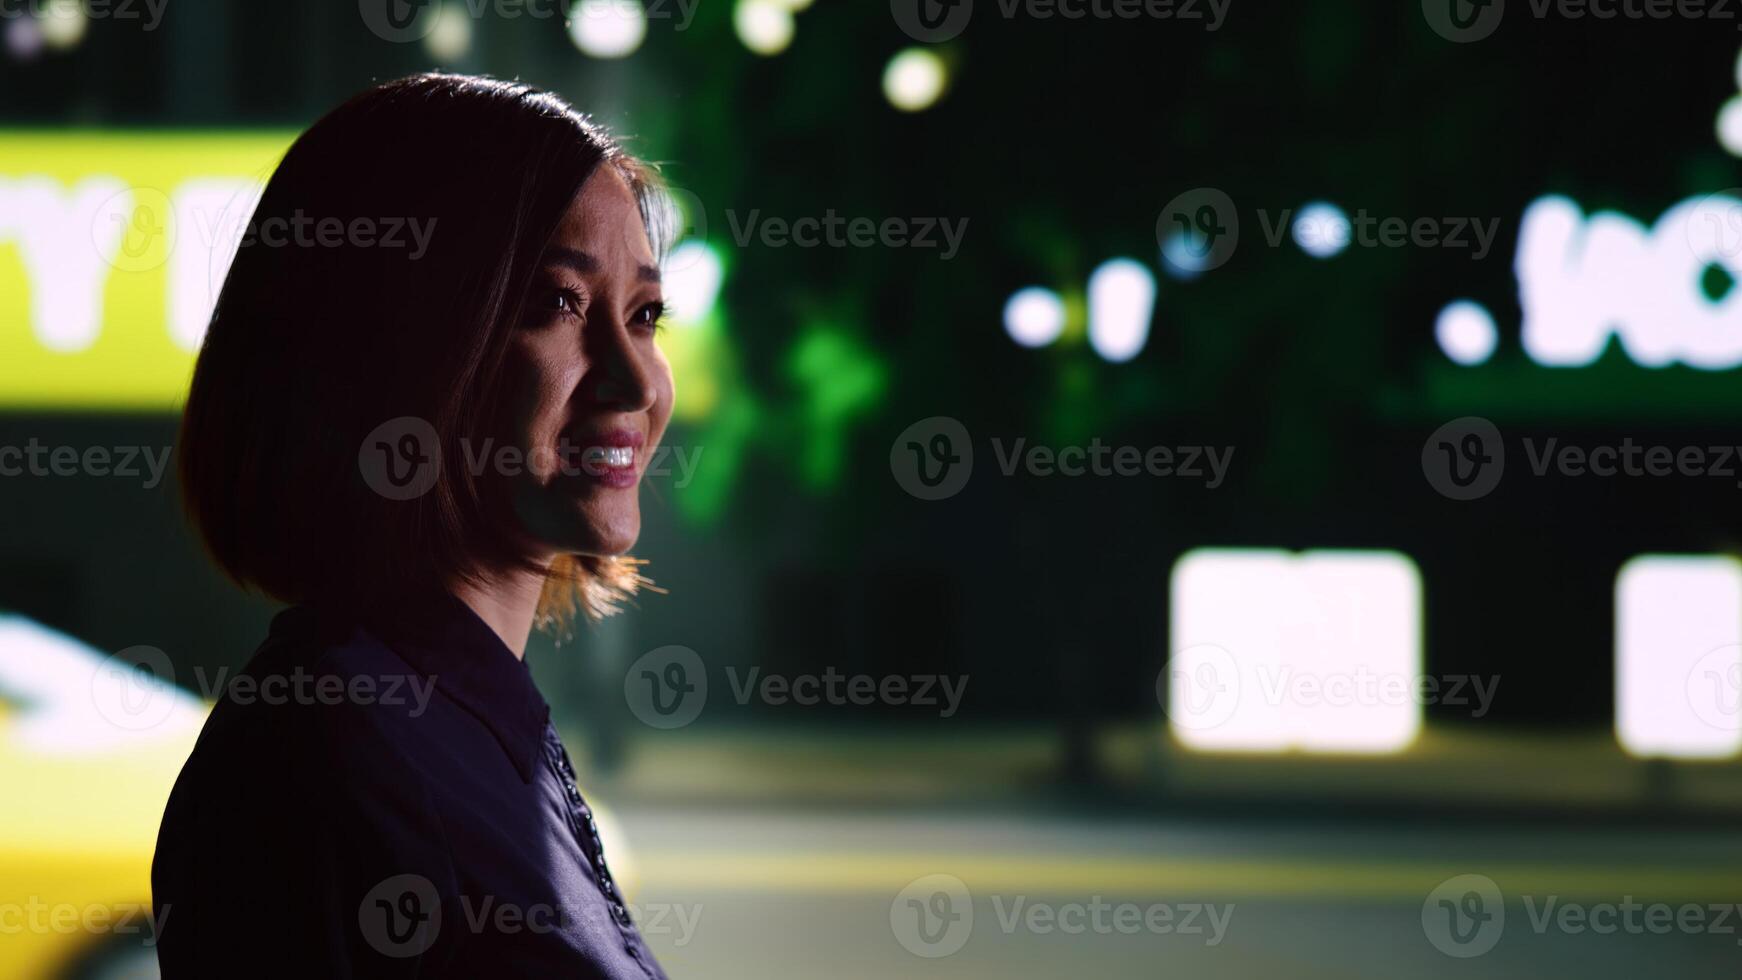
(427, 446)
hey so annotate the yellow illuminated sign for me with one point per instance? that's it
(112, 249)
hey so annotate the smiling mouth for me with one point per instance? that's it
(611, 460)
(611, 457)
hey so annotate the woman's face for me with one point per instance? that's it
(590, 392)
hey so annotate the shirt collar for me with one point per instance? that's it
(444, 640)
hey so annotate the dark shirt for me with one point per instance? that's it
(341, 817)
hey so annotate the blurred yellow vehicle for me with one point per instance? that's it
(89, 748)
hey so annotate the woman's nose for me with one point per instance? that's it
(626, 378)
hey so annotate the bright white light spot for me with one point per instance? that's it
(692, 276)
(1319, 651)
(608, 28)
(212, 213)
(914, 79)
(64, 23)
(1321, 229)
(1182, 258)
(1678, 656)
(1121, 302)
(1730, 125)
(80, 701)
(450, 37)
(765, 26)
(68, 239)
(1034, 317)
(1466, 332)
(1585, 279)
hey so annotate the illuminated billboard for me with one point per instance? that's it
(112, 249)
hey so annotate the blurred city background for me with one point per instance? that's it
(1188, 488)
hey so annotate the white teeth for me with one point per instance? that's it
(599, 458)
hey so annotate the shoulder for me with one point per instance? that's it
(323, 701)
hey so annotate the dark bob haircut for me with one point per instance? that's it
(315, 344)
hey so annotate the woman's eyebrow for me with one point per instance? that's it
(581, 262)
(571, 258)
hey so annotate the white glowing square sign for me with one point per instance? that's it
(1678, 656)
(1274, 650)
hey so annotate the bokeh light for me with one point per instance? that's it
(914, 79)
(64, 23)
(608, 28)
(1121, 301)
(1466, 332)
(765, 26)
(1034, 317)
(1321, 229)
(450, 37)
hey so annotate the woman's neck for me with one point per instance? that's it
(506, 603)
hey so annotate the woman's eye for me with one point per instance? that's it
(555, 301)
(651, 316)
